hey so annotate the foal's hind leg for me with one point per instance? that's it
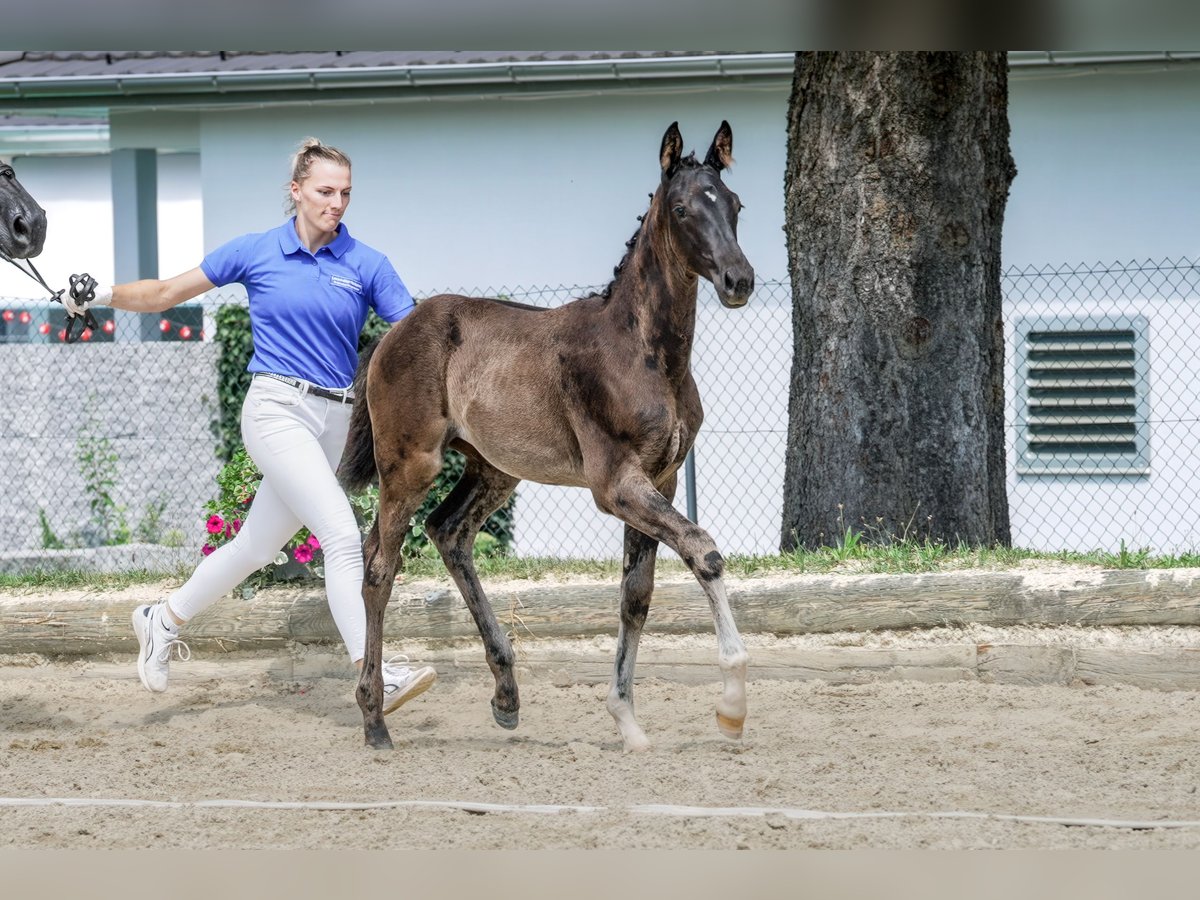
(630, 496)
(399, 496)
(480, 491)
(637, 585)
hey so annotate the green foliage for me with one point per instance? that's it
(1125, 558)
(235, 349)
(149, 530)
(495, 538)
(98, 466)
(375, 327)
(50, 540)
(108, 524)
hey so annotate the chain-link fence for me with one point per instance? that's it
(107, 446)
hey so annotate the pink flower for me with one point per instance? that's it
(207, 549)
(303, 553)
(237, 525)
(313, 542)
(215, 524)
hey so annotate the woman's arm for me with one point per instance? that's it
(153, 295)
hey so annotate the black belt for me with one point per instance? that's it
(336, 396)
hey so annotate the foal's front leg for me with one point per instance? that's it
(631, 497)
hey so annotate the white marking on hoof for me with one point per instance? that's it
(731, 728)
(631, 733)
(638, 743)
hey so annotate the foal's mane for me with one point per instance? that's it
(687, 162)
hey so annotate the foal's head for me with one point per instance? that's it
(702, 214)
(22, 221)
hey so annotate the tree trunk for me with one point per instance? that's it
(897, 176)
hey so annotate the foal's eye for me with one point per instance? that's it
(680, 211)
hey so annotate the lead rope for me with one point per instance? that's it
(87, 292)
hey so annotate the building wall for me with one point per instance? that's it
(1107, 167)
(504, 195)
(479, 194)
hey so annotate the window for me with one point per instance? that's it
(1083, 396)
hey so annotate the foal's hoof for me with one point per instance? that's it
(379, 740)
(731, 728)
(505, 719)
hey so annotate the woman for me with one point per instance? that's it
(310, 286)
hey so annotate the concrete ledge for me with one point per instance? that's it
(99, 560)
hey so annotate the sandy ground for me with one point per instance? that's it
(897, 764)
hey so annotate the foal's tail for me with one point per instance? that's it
(357, 468)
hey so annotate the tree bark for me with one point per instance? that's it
(897, 177)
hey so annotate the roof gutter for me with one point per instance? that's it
(165, 90)
(1022, 63)
(96, 95)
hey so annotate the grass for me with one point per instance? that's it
(851, 555)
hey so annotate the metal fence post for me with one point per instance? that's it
(689, 484)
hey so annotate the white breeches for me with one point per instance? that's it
(296, 440)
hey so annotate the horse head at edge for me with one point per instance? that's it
(22, 221)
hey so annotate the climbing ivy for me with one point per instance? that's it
(235, 347)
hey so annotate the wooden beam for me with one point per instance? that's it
(83, 623)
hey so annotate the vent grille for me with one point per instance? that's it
(1083, 401)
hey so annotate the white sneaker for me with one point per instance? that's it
(401, 683)
(155, 643)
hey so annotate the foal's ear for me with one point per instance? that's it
(671, 150)
(720, 154)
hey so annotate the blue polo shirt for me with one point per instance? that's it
(306, 309)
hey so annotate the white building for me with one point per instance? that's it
(524, 172)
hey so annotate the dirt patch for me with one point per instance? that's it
(882, 764)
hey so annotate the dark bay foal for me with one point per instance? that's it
(597, 393)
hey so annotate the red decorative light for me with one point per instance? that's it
(62, 334)
(25, 318)
(44, 328)
(201, 334)
(185, 332)
(87, 334)
(109, 326)
(8, 315)
(164, 325)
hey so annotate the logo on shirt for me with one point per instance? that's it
(349, 283)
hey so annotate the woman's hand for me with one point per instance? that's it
(84, 293)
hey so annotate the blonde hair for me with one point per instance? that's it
(310, 148)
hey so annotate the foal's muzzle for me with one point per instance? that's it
(735, 284)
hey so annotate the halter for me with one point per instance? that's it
(86, 292)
